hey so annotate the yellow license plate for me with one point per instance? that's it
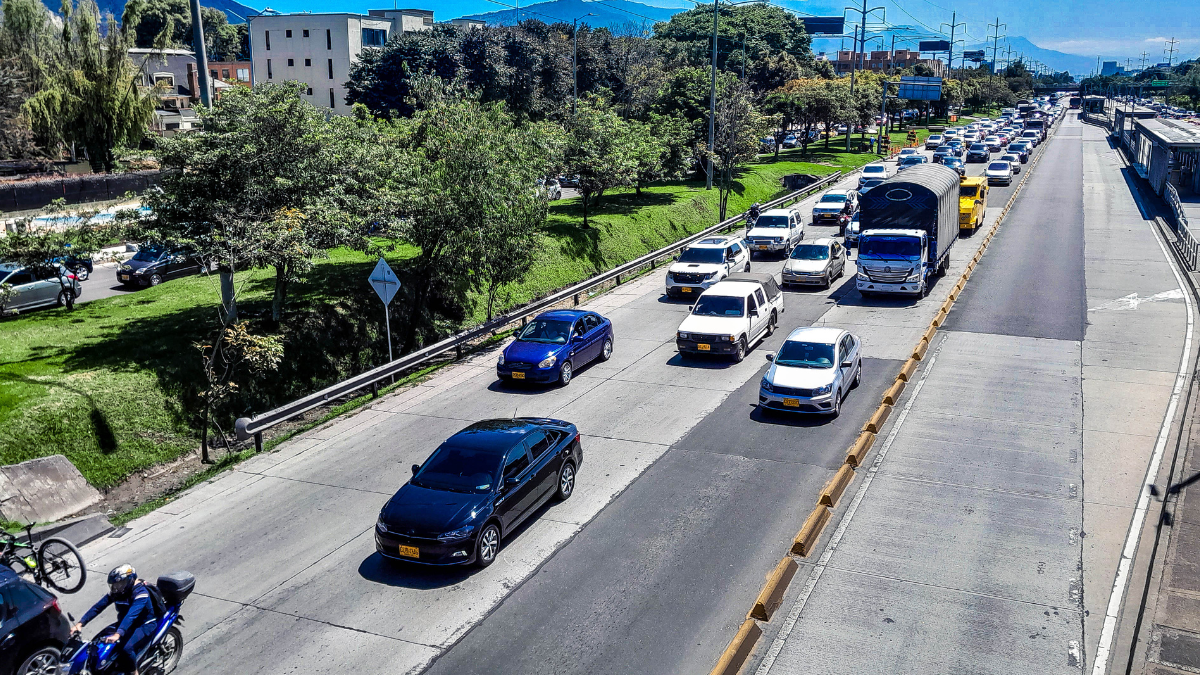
(518, 376)
(410, 551)
(703, 347)
(685, 289)
(791, 402)
(124, 277)
(761, 248)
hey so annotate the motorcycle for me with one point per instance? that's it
(843, 221)
(161, 654)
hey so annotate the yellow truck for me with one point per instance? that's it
(972, 202)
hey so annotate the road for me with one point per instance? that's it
(687, 498)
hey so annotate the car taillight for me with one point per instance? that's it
(54, 604)
(71, 276)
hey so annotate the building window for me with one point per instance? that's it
(428, 21)
(213, 73)
(308, 63)
(291, 62)
(267, 35)
(224, 74)
(331, 69)
(305, 32)
(328, 39)
(287, 33)
(331, 103)
(269, 74)
(309, 92)
(374, 37)
(243, 74)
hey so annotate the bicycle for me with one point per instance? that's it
(56, 563)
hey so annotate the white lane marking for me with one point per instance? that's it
(823, 562)
(1132, 300)
(1132, 538)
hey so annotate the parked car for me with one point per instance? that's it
(554, 345)
(790, 141)
(37, 287)
(156, 263)
(731, 317)
(80, 266)
(813, 371)
(34, 626)
(999, 173)
(571, 181)
(705, 263)
(767, 144)
(551, 188)
(830, 206)
(1014, 161)
(872, 171)
(476, 489)
(775, 231)
(815, 262)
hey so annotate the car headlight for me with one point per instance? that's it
(709, 275)
(460, 533)
(548, 361)
(778, 240)
(731, 338)
(380, 526)
(821, 391)
(141, 270)
(500, 361)
(915, 276)
(766, 386)
(682, 335)
(862, 277)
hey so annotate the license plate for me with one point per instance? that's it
(761, 248)
(410, 551)
(703, 347)
(685, 289)
(124, 277)
(518, 376)
(791, 402)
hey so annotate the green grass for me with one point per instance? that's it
(113, 385)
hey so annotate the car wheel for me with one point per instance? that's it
(772, 324)
(80, 272)
(857, 376)
(42, 662)
(828, 281)
(606, 350)
(66, 297)
(740, 354)
(566, 481)
(837, 405)
(747, 266)
(487, 545)
(155, 279)
(564, 374)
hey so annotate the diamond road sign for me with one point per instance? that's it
(384, 281)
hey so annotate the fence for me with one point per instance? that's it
(1188, 247)
(34, 194)
(252, 427)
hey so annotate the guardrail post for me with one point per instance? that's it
(458, 352)
(576, 296)
(374, 390)
(258, 442)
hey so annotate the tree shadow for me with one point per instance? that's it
(106, 438)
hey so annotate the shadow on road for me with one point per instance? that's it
(796, 419)
(398, 574)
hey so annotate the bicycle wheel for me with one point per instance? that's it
(61, 565)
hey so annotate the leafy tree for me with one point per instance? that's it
(231, 346)
(770, 29)
(16, 138)
(601, 149)
(382, 79)
(830, 102)
(738, 128)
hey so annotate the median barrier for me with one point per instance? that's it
(918, 352)
(806, 538)
(929, 333)
(906, 373)
(771, 595)
(948, 304)
(892, 395)
(836, 486)
(874, 424)
(738, 650)
(858, 451)
(940, 318)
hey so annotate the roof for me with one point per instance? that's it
(751, 277)
(733, 287)
(713, 241)
(563, 314)
(823, 334)
(777, 212)
(1173, 133)
(492, 434)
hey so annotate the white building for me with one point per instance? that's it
(317, 50)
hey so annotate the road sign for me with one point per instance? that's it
(976, 55)
(933, 46)
(824, 25)
(385, 283)
(920, 88)
(1160, 83)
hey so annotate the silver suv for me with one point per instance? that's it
(29, 288)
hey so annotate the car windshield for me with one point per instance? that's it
(968, 191)
(459, 470)
(810, 252)
(771, 221)
(719, 305)
(833, 199)
(913, 160)
(874, 169)
(148, 254)
(712, 256)
(979, 146)
(890, 247)
(952, 162)
(547, 331)
(796, 354)
(998, 166)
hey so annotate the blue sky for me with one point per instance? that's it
(1111, 28)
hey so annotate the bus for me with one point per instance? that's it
(1075, 102)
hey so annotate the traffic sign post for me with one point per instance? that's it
(386, 284)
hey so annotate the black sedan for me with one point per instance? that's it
(35, 627)
(154, 264)
(979, 152)
(478, 487)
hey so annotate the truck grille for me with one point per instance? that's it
(882, 277)
(687, 277)
(763, 241)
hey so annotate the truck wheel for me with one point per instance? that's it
(772, 324)
(740, 354)
(747, 265)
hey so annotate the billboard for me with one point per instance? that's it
(920, 88)
(934, 46)
(824, 25)
(975, 56)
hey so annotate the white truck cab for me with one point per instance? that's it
(732, 316)
(705, 263)
(776, 231)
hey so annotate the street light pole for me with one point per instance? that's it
(575, 63)
(712, 102)
(201, 55)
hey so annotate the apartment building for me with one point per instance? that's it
(318, 50)
(884, 61)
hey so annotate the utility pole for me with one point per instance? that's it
(954, 23)
(575, 63)
(854, 63)
(996, 40)
(1171, 52)
(1144, 60)
(712, 100)
(201, 55)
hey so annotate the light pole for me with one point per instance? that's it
(854, 63)
(575, 62)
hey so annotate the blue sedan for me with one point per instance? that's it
(554, 345)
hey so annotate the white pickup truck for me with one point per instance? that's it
(732, 316)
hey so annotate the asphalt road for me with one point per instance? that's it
(686, 499)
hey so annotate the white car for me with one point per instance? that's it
(775, 231)
(831, 204)
(1033, 136)
(705, 263)
(905, 152)
(813, 371)
(732, 316)
(852, 230)
(1014, 160)
(815, 262)
(933, 141)
(999, 173)
(873, 171)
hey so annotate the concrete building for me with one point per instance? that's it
(468, 24)
(1111, 68)
(173, 69)
(232, 72)
(318, 50)
(884, 61)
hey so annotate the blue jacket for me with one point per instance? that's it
(133, 610)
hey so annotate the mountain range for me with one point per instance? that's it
(235, 11)
(605, 13)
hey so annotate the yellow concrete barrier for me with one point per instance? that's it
(892, 395)
(771, 595)
(806, 538)
(739, 649)
(918, 352)
(858, 451)
(910, 367)
(929, 334)
(874, 424)
(836, 486)
(948, 304)
(940, 318)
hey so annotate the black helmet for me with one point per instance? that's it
(121, 579)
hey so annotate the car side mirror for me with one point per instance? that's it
(754, 312)
(511, 481)
(691, 308)
(771, 357)
(847, 364)
(416, 468)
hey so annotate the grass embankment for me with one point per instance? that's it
(113, 385)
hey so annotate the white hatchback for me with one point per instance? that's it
(813, 371)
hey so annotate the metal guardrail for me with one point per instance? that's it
(252, 427)
(1188, 247)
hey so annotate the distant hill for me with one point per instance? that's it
(608, 13)
(1079, 66)
(235, 11)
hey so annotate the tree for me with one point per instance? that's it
(769, 29)
(830, 102)
(16, 138)
(382, 79)
(38, 249)
(231, 346)
(738, 129)
(601, 149)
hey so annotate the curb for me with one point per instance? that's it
(742, 646)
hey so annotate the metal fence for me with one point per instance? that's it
(252, 427)
(1188, 247)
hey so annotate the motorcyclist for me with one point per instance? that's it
(136, 620)
(753, 213)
